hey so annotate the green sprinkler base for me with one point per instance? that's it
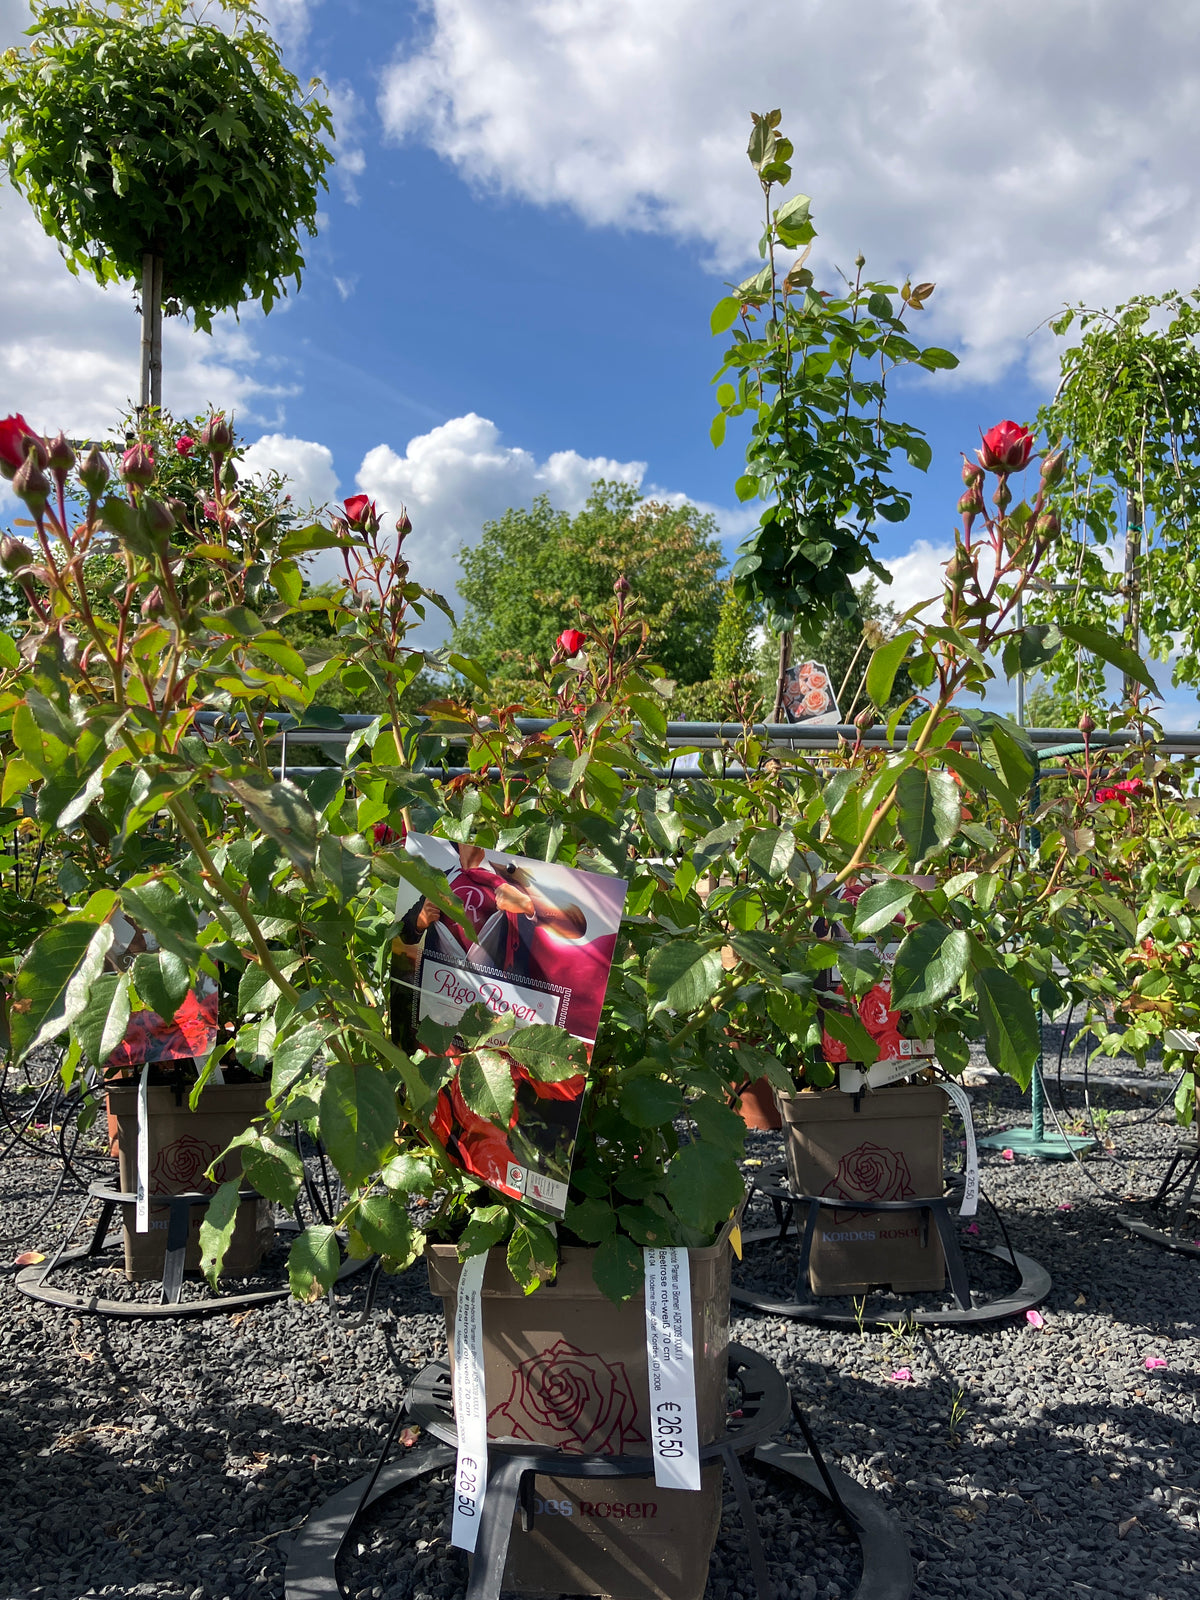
(1044, 1146)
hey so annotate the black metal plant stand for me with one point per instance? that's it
(766, 1407)
(1176, 1190)
(1033, 1286)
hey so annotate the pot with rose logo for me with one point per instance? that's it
(183, 1144)
(880, 1144)
(566, 1367)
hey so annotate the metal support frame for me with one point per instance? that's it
(1181, 1178)
(311, 1572)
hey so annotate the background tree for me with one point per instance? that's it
(1127, 413)
(159, 147)
(536, 571)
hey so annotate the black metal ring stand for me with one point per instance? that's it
(311, 1572)
(1183, 1174)
(1033, 1286)
(32, 1280)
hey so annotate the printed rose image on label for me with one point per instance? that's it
(870, 1172)
(571, 1398)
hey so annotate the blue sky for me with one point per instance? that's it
(536, 204)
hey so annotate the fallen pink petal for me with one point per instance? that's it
(1006, 1155)
(1035, 1319)
(973, 1227)
(1155, 1363)
(903, 1375)
(1066, 1206)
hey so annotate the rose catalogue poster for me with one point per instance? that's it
(536, 947)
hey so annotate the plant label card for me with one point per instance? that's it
(536, 948)
(192, 1032)
(470, 1406)
(808, 695)
(675, 1439)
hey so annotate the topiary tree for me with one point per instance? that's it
(158, 147)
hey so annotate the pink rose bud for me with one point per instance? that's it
(1003, 495)
(137, 465)
(31, 484)
(158, 518)
(216, 436)
(403, 525)
(59, 455)
(1086, 724)
(571, 641)
(971, 503)
(1047, 527)
(1005, 448)
(622, 586)
(154, 605)
(93, 472)
(1053, 468)
(185, 444)
(14, 556)
(971, 474)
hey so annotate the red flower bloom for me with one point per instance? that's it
(571, 641)
(1121, 790)
(185, 444)
(15, 435)
(360, 513)
(1005, 448)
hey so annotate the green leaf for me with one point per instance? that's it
(883, 666)
(1117, 655)
(485, 1082)
(771, 851)
(929, 811)
(283, 814)
(54, 981)
(880, 905)
(313, 1263)
(162, 980)
(929, 964)
(270, 1166)
(591, 1220)
(746, 487)
(934, 358)
(290, 1056)
(216, 1229)
(724, 314)
(716, 430)
(358, 1118)
(680, 977)
(645, 1227)
(487, 1227)
(1010, 1024)
(703, 1187)
(532, 1254)
(407, 1175)
(847, 1028)
(384, 1223)
(618, 1269)
(650, 1102)
(717, 1124)
(101, 1025)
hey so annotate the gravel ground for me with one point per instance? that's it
(178, 1459)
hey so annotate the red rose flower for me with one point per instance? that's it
(360, 513)
(15, 438)
(184, 445)
(571, 641)
(1006, 448)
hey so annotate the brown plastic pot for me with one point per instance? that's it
(566, 1367)
(757, 1105)
(183, 1144)
(885, 1144)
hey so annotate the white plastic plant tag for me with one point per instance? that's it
(470, 1406)
(970, 1199)
(141, 1216)
(674, 1435)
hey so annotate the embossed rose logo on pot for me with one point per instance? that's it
(180, 1165)
(870, 1172)
(571, 1398)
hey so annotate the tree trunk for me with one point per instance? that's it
(785, 661)
(151, 387)
(1133, 598)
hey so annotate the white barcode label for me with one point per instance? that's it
(674, 1436)
(970, 1199)
(470, 1406)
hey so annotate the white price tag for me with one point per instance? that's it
(674, 1435)
(141, 1214)
(970, 1199)
(470, 1406)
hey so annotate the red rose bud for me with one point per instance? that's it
(15, 435)
(360, 514)
(1005, 448)
(185, 444)
(216, 436)
(137, 465)
(403, 525)
(1053, 468)
(622, 586)
(158, 519)
(14, 556)
(1047, 527)
(94, 472)
(1086, 725)
(59, 455)
(154, 605)
(971, 503)
(571, 641)
(31, 484)
(1003, 495)
(971, 474)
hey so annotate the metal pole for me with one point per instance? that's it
(150, 390)
(1133, 599)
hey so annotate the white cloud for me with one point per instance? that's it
(459, 475)
(1020, 163)
(69, 350)
(307, 466)
(916, 575)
